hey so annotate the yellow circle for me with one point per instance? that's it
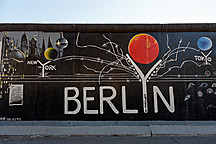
(50, 53)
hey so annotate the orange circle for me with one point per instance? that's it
(143, 48)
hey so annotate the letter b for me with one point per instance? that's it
(74, 98)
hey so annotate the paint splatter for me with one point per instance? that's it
(187, 97)
(213, 85)
(211, 106)
(203, 85)
(200, 93)
(207, 73)
(190, 85)
(209, 91)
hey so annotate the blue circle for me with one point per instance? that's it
(204, 43)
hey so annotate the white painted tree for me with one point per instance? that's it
(127, 64)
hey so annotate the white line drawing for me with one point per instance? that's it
(144, 81)
(175, 53)
(203, 85)
(43, 67)
(120, 63)
(182, 80)
(206, 58)
(110, 65)
(135, 70)
(211, 106)
(125, 64)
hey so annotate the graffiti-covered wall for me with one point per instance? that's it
(107, 76)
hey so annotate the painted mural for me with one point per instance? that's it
(107, 76)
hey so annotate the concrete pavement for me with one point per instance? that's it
(103, 128)
(143, 131)
(108, 140)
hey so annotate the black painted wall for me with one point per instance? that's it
(89, 61)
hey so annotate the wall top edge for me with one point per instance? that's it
(53, 27)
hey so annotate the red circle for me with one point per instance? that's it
(143, 48)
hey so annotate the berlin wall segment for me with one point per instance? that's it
(107, 76)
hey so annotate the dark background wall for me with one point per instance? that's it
(87, 62)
